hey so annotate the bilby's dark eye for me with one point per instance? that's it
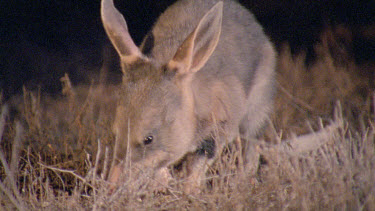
(148, 140)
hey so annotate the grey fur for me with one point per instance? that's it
(181, 99)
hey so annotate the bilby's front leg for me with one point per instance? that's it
(198, 162)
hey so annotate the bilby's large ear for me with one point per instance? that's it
(117, 31)
(201, 43)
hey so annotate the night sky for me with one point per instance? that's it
(40, 40)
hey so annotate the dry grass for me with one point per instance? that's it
(55, 153)
(311, 93)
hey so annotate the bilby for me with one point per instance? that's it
(204, 75)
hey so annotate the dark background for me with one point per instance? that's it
(40, 40)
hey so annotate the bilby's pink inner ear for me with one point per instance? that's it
(197, 48)
(117, 31)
